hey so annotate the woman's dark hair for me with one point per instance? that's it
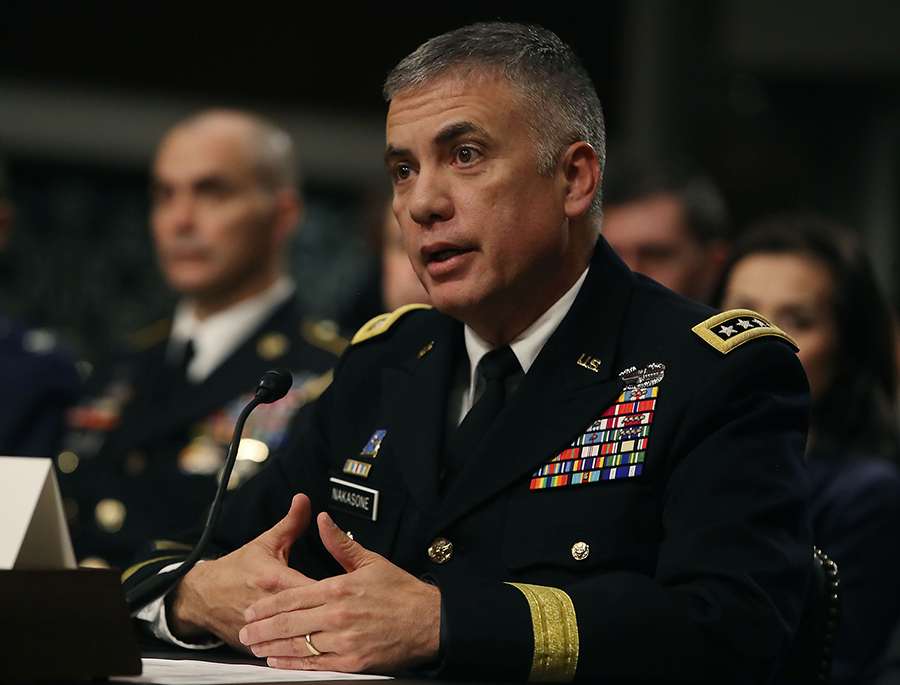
(858, 407)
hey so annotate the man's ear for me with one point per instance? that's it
(289, 212)
(582, 175)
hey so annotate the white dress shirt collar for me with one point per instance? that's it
(217, 336)
(527, 345)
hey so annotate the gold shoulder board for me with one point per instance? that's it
(324, 335)
(316, 386)
(381, 323)
(150, 335)
(730, 329)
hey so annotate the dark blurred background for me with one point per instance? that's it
(790, 104)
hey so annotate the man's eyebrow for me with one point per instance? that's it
(391, 152)
(455, 130)
(445, 135)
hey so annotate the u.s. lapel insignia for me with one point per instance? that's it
(613, 447)
(374, 444)
(729, 329)
(589, 362)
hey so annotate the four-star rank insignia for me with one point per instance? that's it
(729, 329)
(613, 446)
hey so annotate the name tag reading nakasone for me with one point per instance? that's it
(354, 499)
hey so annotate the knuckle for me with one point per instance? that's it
(337, 588)
(283, 623)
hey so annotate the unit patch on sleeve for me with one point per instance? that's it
(614, 445)
(730, 329)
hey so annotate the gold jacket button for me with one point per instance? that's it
(109, 515)
(580, 551)
(67, 462)
(440, 550)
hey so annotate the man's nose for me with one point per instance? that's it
(182, 211)
(430, 200)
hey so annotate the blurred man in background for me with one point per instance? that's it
(393, 283)
(38, 380)
(145, 450)
(399, 284)
(667, 220)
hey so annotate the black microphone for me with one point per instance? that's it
(272, 387)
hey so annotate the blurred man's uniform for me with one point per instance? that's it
(145, 449)
(39, 383)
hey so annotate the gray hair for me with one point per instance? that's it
(557, 94)
(278, 166)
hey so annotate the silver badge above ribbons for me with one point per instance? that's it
(643, 378)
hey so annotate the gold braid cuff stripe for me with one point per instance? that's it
(555, 633)
(137, 567)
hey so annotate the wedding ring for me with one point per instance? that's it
(312, 649)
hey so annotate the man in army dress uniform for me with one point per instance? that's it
(145, 449)
(563, 471)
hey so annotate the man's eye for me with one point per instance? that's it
(466, 155)
(402, 172)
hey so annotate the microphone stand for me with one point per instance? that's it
(273, 386)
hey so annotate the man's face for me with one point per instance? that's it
(652, 237)
(485, 232)
(212, 222)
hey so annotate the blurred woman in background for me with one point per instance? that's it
(811, 277)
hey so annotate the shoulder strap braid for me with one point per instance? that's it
(383, 322)
(730, 329)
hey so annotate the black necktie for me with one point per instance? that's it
(496, 367)
(187, 355)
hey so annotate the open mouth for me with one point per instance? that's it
(444, 255)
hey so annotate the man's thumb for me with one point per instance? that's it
(349, 554)
(279, 538)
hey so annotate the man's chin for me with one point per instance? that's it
(192, 286)
(454, 301)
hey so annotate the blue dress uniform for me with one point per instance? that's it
(143, 453)
(636, 513)
(38, 382)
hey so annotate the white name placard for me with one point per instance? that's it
(33, 530)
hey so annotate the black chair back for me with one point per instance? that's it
(811, 655)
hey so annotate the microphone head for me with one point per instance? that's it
(273, 385)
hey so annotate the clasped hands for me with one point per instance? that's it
(376, 617)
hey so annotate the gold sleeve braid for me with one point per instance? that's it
(137, 567)
(555, 633)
